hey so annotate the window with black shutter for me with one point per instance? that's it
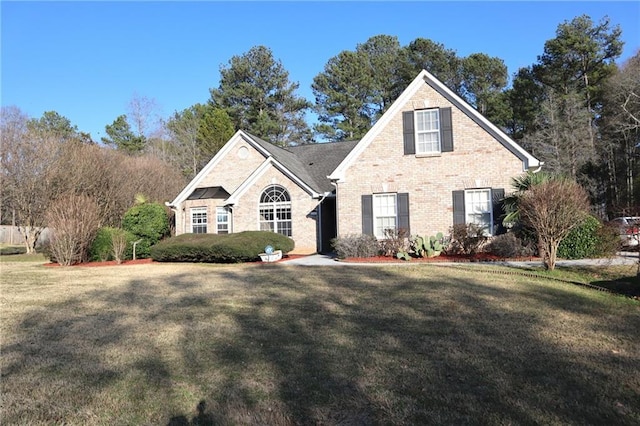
(427, 131)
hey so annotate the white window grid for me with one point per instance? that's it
(275, 211)
(427, 131)
(385, 213)
(222, 220)
(199, 220)
(478, 208)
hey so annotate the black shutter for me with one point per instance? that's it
(458, 207)
(408, 133)
(446, 130)
(497, 195)
(403, 212)
(367, 214)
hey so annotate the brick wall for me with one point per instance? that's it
(241, 161)
(303, 228)
(477, 161)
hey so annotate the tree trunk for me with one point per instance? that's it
(30, 235)
(551, 252)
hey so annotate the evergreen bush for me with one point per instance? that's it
(219, 248)
(590, 239)
(148, 222)
(102, 247)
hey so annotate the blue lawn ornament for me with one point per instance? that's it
(268, 250)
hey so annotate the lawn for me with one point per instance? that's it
(169, 344)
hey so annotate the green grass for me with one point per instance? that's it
(276, 344)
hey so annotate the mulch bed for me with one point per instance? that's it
(147, 261)
(478, 257)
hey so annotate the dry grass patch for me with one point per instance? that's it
(277, 344)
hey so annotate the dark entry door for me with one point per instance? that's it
(328, 225)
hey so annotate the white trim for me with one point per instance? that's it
(417, 132)
(239, 136)
(375, 216)
(468, 214)
(338, 174)
(261, 170)
(272, 206)
(227, 212)
(199, 210)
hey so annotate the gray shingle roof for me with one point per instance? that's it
(311, 163)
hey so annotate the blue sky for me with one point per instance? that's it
(86, 60)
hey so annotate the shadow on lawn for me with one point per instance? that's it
(361, 345)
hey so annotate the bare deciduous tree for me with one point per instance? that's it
(28, 163)
(552, 209)
(143, 113)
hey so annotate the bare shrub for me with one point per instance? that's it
(466, 238)
(74, 220)
(355, 246)
(395, 240)
(509, 245)
(553, 209)
(119, 244)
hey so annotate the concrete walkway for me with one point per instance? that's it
(623, 258)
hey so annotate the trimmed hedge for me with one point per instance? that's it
(219, 248)
(11, 250)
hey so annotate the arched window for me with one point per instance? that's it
(275, 210)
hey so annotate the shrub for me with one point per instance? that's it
(356, 246)
(395, 241)
(102, 248)
(149, 222)
(5, 251)
(466, 238)
(74, 220)
(119, 244)
(219, 248)
(509, 245)
(589, 239)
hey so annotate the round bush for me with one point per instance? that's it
(219, 248)
(148, 222)
(583, 241)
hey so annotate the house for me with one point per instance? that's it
(430, 161)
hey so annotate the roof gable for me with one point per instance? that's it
(307, 165)
(424, 77)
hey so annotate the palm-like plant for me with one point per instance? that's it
(520, 185)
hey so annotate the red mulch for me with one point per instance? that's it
(478, 257)
(146, 261)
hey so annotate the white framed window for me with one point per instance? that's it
(427, 131)
(275, 210)
(478, 208)
(199, 220)
(222, 220)
(385, 213)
